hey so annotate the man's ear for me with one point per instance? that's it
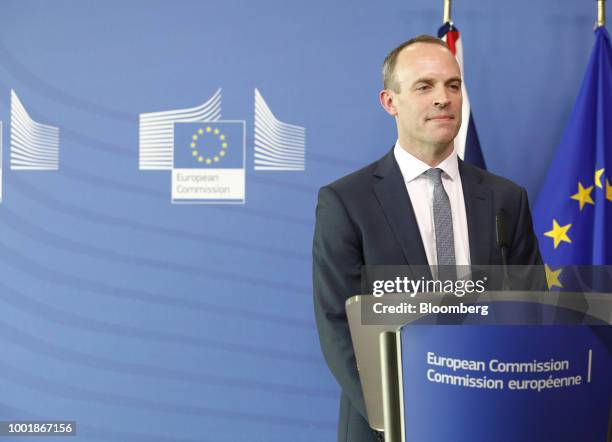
(386, 98)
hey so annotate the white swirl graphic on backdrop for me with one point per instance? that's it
(278, 145)
(34, 146)
(156, 131)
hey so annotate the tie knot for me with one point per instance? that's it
(434, 174)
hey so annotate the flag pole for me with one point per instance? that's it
(447, 11)
(601, 13)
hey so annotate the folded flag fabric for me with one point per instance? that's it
(573, 214)
(467, 144)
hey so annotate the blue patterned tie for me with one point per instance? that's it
(443, 220)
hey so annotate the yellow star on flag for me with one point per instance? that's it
(552, 277)
(608, 190)
(583, 196)
(598, 174)
(558, 233)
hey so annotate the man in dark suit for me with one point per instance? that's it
(419, 204)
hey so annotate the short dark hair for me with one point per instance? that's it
(388, 68)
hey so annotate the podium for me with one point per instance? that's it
(536, 367)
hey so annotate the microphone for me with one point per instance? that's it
(502, 243)
(500, 232)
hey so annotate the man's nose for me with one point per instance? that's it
(441, 98)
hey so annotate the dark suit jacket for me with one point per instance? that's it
(366, 218)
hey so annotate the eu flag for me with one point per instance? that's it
(573, 214)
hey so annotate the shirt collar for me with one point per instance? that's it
(411, 167)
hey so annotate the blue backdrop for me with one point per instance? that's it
(146, 320)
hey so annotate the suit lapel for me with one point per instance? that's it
(392, 195)
(479, 212)
(390, 190)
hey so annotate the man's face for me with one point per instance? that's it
(428, 107)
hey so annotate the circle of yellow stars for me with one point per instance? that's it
(559, 233)
(194, 145)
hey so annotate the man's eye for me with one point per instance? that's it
(422, 88)
(455, 87)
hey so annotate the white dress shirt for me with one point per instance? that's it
(420, 190)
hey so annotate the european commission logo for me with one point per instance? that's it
(209, 162)
(207, 155)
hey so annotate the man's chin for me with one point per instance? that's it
(444, 137)
(442, 142)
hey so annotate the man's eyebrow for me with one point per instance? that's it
(426, 80)
(429, 80)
